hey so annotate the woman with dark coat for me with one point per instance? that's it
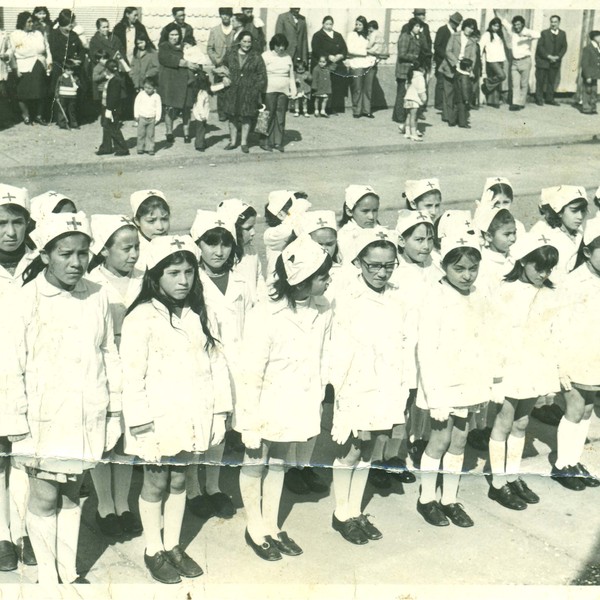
(331, 44)
(129, 30)
(241, 101)
(106, 41)
(173, 79)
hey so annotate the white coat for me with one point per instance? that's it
(526, 332)
(567, 246)
(579, 324)
(492, 269)
(284, 370)
(251, 270)
(13, 281)
(414, 280)
(275, 240)
(142, 261)
(72, 374)
(373, 356)
(346, 237)
(171, 380)
(456, 358)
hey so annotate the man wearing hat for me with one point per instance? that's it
(590, 73)
(256, 28)
(220, 40)
(442, 36)
(293, 25)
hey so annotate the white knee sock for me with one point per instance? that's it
(150, 515)
(18, 489)
(342, 479)
(4, 507)
(121, 485)
(357, 488)
(514, 454)
(452, 469)
(251, 492)
(497, 452)
(429, 472)
(67, 535)
(174, 510)
(271, 497)
(567, 443)
(582, 431)
(42, 532)
(214, 458)
(102, 478)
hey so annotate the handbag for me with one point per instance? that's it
(262, 121)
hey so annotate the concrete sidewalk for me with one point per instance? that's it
(35, 150)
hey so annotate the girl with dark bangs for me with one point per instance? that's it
(170, 351)
(283, 386)
(531, 362)
(229, 297)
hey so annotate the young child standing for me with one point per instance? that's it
(415, 98)
(115, 250)
(170, 351)
(66, 96)
(203, 91)
(99, 77)
(303, 88)
(72, 377)
(283, 386)
(147, 111)
(152, 217)
(359, 211)
(321, 87)
(526, 323)
(112, 137)
(579, 317)
(373, 342)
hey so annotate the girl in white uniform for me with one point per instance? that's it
(176, 394)
(359, 211)
(248, 264)
(283, 379)
(526, 323)
(116, 249)
(45, 204)
(282, 208)
(579, 317)
(424, 195)
(152, 217)
(498, 193)
(373, 341)
(72, 377)
(456, 374)
(15, 257)
(229, 297)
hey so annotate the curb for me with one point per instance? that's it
(110, 164)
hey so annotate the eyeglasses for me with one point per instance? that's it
(376, 267)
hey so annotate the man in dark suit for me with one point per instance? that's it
(187, 30)
(551, 47)
(293, 25)
(442, 36)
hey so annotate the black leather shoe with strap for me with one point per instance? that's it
(350, 530)
(266, 550)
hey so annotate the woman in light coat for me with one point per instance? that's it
(72, 378)
(362, 69)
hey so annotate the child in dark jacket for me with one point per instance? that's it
(112, 137)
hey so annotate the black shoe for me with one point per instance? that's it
(513, 107)
(98, 153)
(369, 115)
(397, 467)
(40, 121)
(109, 525)
(521, 489)
(379, 478)
(285, 544)
(25, 551)
(230, 146)
(294, 481)
(279, 148)
(356, 116)
(456, 513)
(170, 138)
(313, 481)
(351, 531)
(479, 439)
(368, 528)
(122, 153)
(266, 148)
(130, 523)
(201, 506)
(506, 497)
(432, 512)
(201, 149)
(161, 569)
(568, 477)
(549, 415)
(266, 550)
(187, 139)
(553, 103)
(539, 102)
(184, 564)
(222, 505)
(245, 149)
(588, 479)
(8, 556)
(80, 579)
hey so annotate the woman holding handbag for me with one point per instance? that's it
(281, 85)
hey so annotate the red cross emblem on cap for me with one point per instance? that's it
(422, 217)
(543, 239)
(220, 223)
(382, 236)
(430, 185)
(461, 242)
(52, 194)
(177, 242)
(74, 223)
(321, 222)
(9, 197)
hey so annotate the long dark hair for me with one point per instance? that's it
(46, 19)
(364, 32)
(500, 33)
(554, 219)
(282, 289)
(151, 291)
(239, 234)
(22, 19)
(220, 235)
(543, 258)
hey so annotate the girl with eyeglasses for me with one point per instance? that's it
(373, 367)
